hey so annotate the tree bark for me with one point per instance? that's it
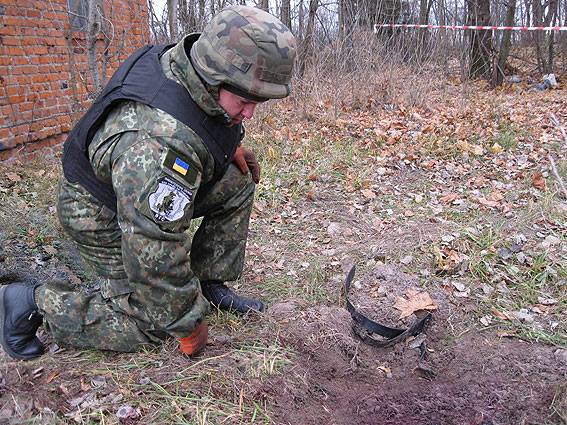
(172, 18)
(285, 14)
(93, 29)
(498, 75)
(544, 42)
(424, 10)
(301, 20)
(265, 5)
(480, 41)
(307, 45)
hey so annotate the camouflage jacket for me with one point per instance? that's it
(134, 150)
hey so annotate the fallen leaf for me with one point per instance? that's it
(448, 198)
(13, 177)
(127, 412)
(496, 148)
(369, 194)
(477, 150)
(406, 260)
(50, 250)
(414, 302)
(487, 202)
(539, 181)
(501, 315)
(52, 376)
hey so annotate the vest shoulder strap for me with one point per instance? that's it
(140, 78)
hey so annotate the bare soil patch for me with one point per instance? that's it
(475, 378)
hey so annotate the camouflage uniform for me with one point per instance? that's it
(149, 269)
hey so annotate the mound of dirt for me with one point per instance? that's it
(434, 378)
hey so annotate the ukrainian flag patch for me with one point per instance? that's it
(180, 166)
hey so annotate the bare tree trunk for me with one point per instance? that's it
(94, 27)
(347, 19)
(424, 10)
(264, 4)
(201, 13)
(286, 13)
(172, 18)
(544, 42)
(498, 74)
(480, 41)
(301, 20)
(307, 45)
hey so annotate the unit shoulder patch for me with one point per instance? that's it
(167, 203)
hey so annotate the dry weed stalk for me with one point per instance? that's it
(369, 71)
(557, 124)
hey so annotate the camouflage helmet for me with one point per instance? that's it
(248, 49)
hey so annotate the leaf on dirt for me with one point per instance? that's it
(446, 260)
(447, 199)
(126, 412)
(477, 150)
(386, 370)
(368, 194)
(52, 376)
(547, 301)
(459, 286)
(406, 260)
(496, 148)
(487, 202)
(50, 250)
(538, 181)
(416, 301)
(501, 315)
(13, 177)
(334, 229)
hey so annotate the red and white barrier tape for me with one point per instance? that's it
(469, 27)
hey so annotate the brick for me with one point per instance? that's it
(14, 51)
(20, 60)
(36, 50)
(25, 106)
(33, 13)
(42, 78)
(16, 99)
(31, 41)
(27, 69)
(11, 41)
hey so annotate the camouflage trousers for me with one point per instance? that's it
(108, 314)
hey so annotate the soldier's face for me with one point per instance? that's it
(237, 107)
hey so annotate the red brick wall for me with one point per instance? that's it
(44, 77)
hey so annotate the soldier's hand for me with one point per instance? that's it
(246, 161)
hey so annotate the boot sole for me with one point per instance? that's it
(5, 346)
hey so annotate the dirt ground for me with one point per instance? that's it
(473, 226)
(465, 376)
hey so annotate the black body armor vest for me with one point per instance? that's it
(140, 78)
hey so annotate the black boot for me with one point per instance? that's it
(221, 296)
(19, 320)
